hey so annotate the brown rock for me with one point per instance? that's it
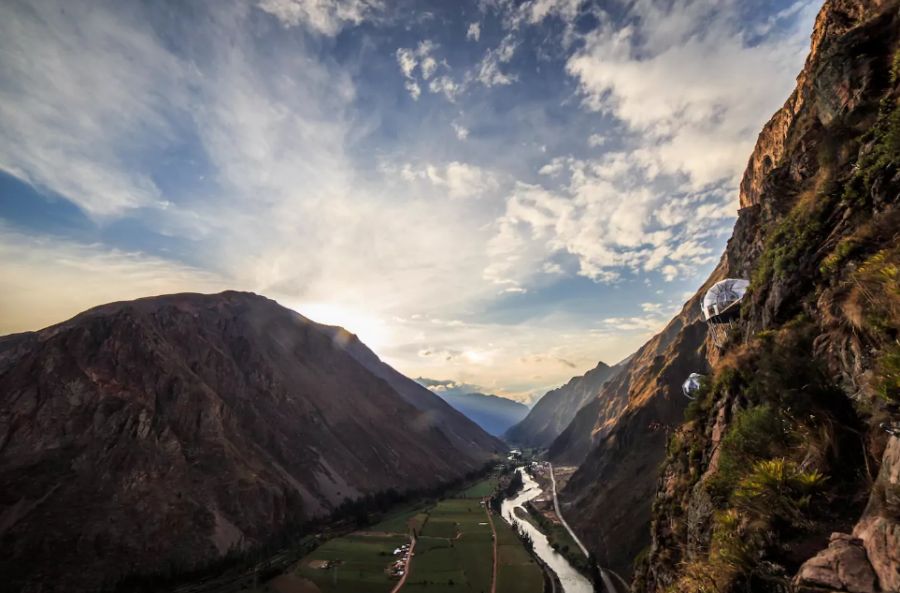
(842, 566)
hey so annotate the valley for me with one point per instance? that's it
(456, 544)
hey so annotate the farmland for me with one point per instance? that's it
(453, 553)
(518, 572)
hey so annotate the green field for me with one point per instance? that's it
(402, 521)
(361, 561)
(454, 553)
(481, 489)
(518, 572)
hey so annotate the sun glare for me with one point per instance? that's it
(373, 331)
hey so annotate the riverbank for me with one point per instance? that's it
(570, 579)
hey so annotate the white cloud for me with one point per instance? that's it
(446, 86)
(460, 180)
(326, 17)
(474, 31)
(596, 140)
(670, 272)
(462, 132)
(686, 78)
(36, 268)
(415, 91)
(489, 70)
(407, 60)
(291, 208)
(421, 59)
(121, 109)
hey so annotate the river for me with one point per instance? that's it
(572, 580)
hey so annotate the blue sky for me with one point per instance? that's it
(492, 192)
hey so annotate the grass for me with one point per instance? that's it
(361, 563)
(482, 489)
(401, 521)
(455, 551)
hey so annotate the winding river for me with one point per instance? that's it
(572, 580)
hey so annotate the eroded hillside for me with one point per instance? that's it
(784, 447)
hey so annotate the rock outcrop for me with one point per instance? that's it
(842, 566)
(160, 434)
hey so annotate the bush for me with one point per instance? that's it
(777, 489)
(755, 433)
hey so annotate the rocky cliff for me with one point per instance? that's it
(164, 432)
(779, 477)
(557, 408)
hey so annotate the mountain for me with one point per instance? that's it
(556, 409)
(161, 433)
(493, 413)
(780, 475)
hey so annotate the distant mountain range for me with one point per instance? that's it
(555, 410)
(493, 413)
(161, 433)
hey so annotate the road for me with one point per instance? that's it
(487, 509)
(409, 559)
(611, 587)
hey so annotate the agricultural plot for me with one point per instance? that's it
(355, 563)
(402, 521)
(481, 489)
(517, 572)
(454, 553)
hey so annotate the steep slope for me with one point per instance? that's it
(556, 409)
(782, 477)
(784, 446)
(607, 501)
(163, 432)
(493, 413)
(455, 424)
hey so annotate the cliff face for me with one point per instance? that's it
(779, 475)
(167, 431)
(608, 498)
(555, 410)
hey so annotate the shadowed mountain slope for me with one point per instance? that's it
(555, 410)
(166, 431)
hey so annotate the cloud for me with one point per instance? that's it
(123, 112)
(35, 268)
(595, 140)
(460, 180)
(685, 77)
(675, 80)
(474, 31)
(297, 201)
(489, 71)
(326, 17)
(421, 59)
(462, 132)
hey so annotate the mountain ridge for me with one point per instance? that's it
(552, 413)
(166, 431)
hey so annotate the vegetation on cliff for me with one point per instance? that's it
(781, 450)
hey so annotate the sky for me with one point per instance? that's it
(496, 193)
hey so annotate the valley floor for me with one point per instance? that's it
(455, 551)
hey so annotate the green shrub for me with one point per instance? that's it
(776, 489)
(756, 433)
